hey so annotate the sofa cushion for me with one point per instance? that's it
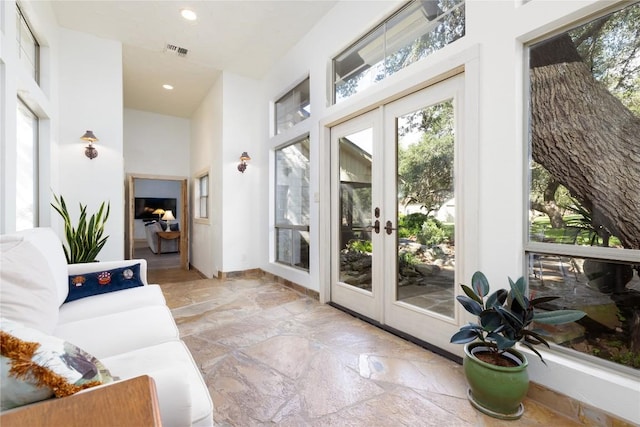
(113, 302)
(102, 282)
(121, 332)
(36, 366)
(27, 286)
(48, 243)
(169, 364)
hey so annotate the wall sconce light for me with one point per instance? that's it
(90, 151)
(244, 157)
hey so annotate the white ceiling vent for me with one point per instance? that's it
(180, 51)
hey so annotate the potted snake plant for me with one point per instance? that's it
(86, 240)
(495, 370)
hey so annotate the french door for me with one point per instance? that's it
(397, 213)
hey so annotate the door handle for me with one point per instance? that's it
(389, 227)
(374, 227)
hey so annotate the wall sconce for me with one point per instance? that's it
(90, 151)
(244, 157)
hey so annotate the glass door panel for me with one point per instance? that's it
(356, 282)
(426, 208)
(356, 246)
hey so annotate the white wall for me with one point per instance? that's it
(242, 130)
(227, 123)
(90, 87)
(156, 144)
(205, 152)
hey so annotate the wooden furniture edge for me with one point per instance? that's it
(132, 402)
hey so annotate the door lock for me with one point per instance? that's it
(389, 227)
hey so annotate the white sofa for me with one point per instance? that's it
(131, 331)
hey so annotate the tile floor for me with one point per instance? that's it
(273, 356)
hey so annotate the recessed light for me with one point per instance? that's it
(188, 14)
(167, 87)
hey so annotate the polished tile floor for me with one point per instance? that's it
(271, 356)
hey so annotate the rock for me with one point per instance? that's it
(605, 314)
(427, 269)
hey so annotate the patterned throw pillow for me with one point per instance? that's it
(102, 282)
(35, 366)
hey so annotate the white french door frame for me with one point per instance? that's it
(433, 328)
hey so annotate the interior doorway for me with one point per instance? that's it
(151, 202)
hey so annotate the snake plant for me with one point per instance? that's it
(85, 241)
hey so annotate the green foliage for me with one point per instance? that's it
(432, 233)
(610, 46)
(426, 167)
(362, 246)
(628, 358)
(406, 259)
(84, 241)
(504, 316)
(410, 225)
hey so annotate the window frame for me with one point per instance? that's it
(533, 248)
(290, 93)
(22, 23)
(33, 164)
(383, 26)
(199, 198)
(277, 205)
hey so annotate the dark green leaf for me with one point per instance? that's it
(558, 317)
(480, 284)
(470, 305)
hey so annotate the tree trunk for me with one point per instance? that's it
(586, 138)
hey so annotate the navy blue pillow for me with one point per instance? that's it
(102, 282)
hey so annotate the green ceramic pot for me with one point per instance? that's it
(496, 390)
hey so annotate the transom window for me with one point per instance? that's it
(411, 34)
(28, 47)
(293, 107)
(292, 204)
(584, 183)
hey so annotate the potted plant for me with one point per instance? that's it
(494, 369)
(84, 241)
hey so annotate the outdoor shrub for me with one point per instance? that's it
(432, 233)
(410, 225)
(363, 246)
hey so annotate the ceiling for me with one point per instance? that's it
(241, 36)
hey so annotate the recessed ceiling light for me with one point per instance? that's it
(188, 14)
(167, 87)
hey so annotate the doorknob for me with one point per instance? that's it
(389, 227)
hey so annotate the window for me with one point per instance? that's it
(293, 107)
(411, 34)
(27, 193)
(584, 183)
(292, 204)
(28, 47)
(202, 196)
